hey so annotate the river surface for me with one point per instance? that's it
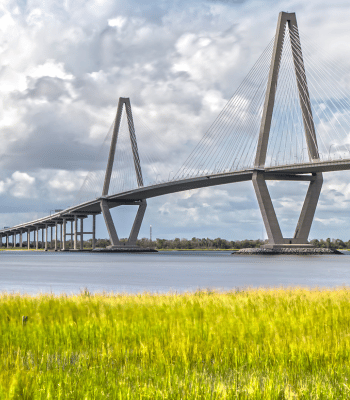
(36, 272)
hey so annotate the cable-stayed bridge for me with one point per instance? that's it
(288, 120)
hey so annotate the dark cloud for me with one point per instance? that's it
(45, 88)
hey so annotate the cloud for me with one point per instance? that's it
(64, 66)
(20, 185)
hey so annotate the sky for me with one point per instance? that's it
(64, 65)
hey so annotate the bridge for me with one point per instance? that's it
(229, 152)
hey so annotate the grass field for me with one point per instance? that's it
(254, 344)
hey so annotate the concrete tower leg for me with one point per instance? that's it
(272, 226)
(137, 223)
(109, 223)
(309, 207)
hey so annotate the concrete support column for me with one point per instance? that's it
(14, 240)
(61, 236)
(7, 241)
(21, 238)
(1, 240)
(51, 238)
(81, 233)
(71, 234)
(93, 231)
(56, 236)
(45, 237)
(75, 232)
(64, 234)
(28, 239)
(37, 238)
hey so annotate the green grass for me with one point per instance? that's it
(254, 344)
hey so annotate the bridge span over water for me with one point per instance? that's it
(258, 172)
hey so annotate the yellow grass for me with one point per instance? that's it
(254, 344)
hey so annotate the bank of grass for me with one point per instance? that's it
(253, 344)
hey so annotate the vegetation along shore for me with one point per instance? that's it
(193, 244)
(248, 344)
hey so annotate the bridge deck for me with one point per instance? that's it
(93, 207)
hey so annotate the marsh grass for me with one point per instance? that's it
(254, 344)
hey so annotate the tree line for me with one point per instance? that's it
(197, 243)
(218, 243)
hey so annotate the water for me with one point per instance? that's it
(35, 272)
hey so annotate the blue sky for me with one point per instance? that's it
(65, 64)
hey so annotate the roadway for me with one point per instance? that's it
(299, 172)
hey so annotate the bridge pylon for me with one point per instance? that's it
(105, 202)
(275, 237)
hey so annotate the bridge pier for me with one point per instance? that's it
(93, 242)
(71, 234)
(78, 243)
(81, 234)
(273, 230)
(64, 228)
(61, 235)
(45, 248)
(55, 235)
(131, 242)
(75, 232)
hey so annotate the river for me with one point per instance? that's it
(49, 272)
